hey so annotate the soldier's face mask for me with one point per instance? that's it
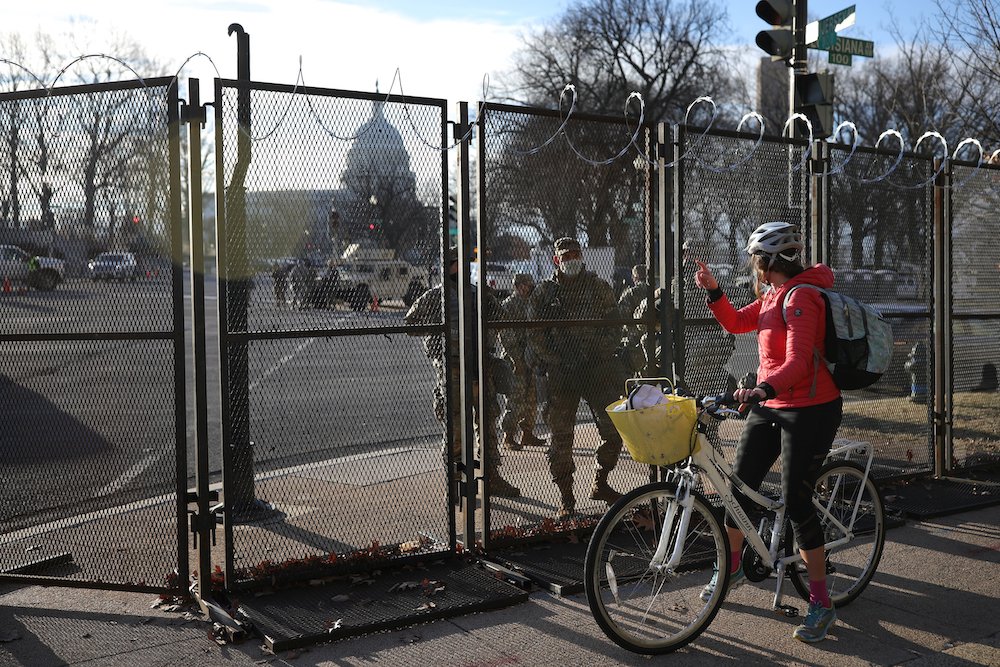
(571, 267)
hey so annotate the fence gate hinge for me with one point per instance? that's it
(190, 114)
(198, 523)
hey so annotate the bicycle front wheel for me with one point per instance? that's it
(640, 605)
(851, 499)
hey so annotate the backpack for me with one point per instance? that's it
(858, 339)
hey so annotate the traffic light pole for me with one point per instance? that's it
(800, 59)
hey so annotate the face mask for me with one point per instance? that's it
(571, 267)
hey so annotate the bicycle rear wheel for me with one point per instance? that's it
(841, 488)
(641, 607)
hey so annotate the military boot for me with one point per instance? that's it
(501, 488)
(529, 439)
(510, 443)
(567, 505)
(601, 490)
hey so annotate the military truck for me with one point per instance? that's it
(362, 275)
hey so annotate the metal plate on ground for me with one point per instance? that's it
(555, 566)
(927, 498)
(371, 602)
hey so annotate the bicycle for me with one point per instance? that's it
(653, 553)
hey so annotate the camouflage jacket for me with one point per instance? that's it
(631, 298)
(518, 344)
(585, 297)
(427, 310)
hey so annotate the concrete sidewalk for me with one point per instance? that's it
(934, 601)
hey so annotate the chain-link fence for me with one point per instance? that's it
(92, 333)
(974, 333)
(727, 184)
(879, 244)
(338, 327)
(330, 227)
(565, 336)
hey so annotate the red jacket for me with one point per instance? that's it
(790, 358)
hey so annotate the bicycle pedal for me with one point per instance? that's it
(787, 610)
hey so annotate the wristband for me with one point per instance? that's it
(715, 294)
(767, 389)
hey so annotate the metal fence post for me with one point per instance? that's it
(673, 251)
(819, 201)
(203, 522)
(940, 316)
(947, 409)
(180, 357)
(241, 504)
(466, 465)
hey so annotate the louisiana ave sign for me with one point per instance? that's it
(853, 47)
(845, 47)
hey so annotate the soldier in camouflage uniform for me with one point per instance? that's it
(628, 304)
(522, 405)
(648, 353)
(426, 309)
(633, 296)
(581, 364)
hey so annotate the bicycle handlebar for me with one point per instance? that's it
(721, 404)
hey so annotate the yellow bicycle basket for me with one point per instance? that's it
(660, 435)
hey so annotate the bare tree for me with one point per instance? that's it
(971, 34)
(15, 75)
(107, 124)
(918, 89)
(664, 49)
(924, 86)
(89, 146)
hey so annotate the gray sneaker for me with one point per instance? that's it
(737, 578)
(818, 622)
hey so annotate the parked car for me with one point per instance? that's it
(113, 266)
(42, 273)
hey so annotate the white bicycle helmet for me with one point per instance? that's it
(776, 239)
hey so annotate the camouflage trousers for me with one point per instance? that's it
(599, 385)
(492, 408)
(522, 402)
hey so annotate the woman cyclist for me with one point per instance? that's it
(803, 404)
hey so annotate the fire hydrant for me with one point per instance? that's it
(916, 366)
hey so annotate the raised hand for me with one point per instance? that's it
(703, 277)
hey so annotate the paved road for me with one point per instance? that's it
(94, 424)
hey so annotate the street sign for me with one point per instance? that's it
(854, 47)
(840, 58)
(824, 31)
(832, 24)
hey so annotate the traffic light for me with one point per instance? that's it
(814, 100)
(778, 42)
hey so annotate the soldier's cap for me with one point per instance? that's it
(566, 244)
(523, 279)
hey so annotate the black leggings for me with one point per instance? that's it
(803, 437)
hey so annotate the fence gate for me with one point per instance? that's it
(543, 178)
(974, 335)
(332, 214)
(92, 356)
(725, 185)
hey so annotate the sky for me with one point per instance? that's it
(450, 49)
